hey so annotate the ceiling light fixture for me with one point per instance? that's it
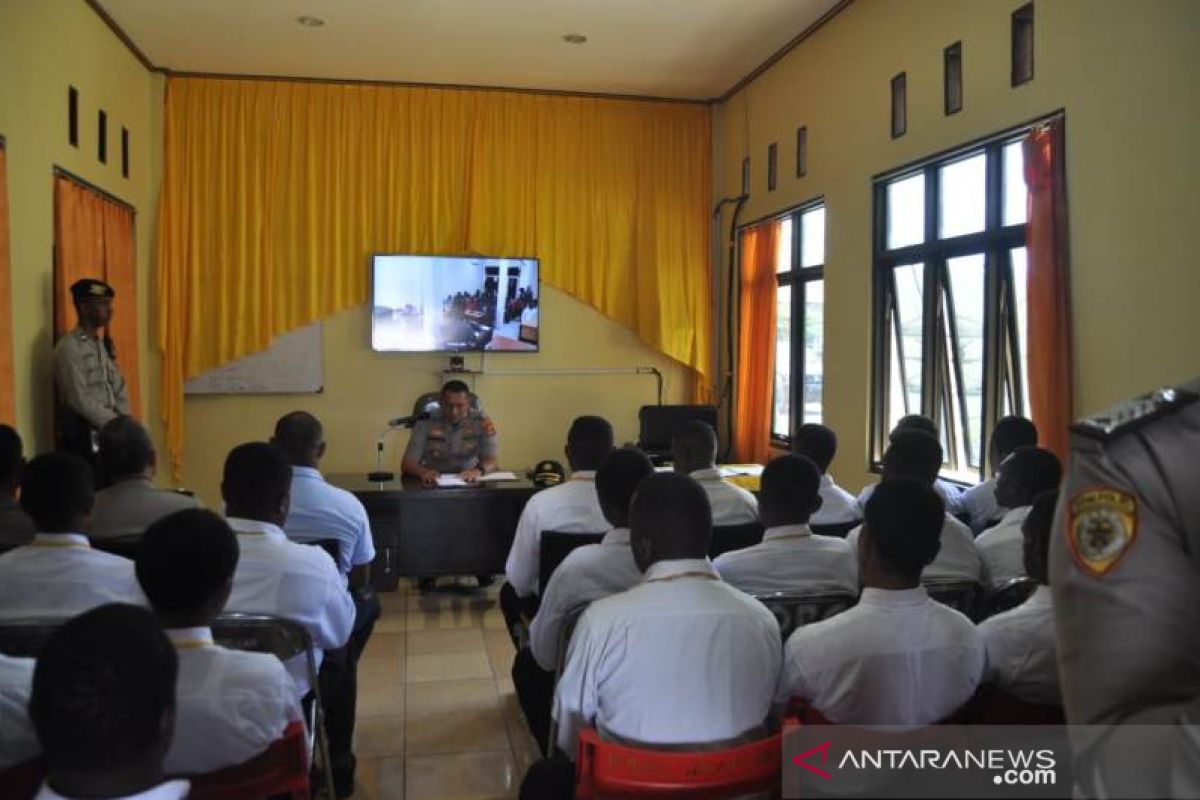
(574, 38)
(310, 22)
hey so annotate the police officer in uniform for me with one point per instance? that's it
(1125, 574)
(456, 439)
(91, 389)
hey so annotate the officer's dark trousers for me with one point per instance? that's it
(516, 609)
(549, 779)
(339, 680)
(535, 692)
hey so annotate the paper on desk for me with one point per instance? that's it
(498, 476)
(451, 479)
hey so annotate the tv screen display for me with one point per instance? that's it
(452, 304)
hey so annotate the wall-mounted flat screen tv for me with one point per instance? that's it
(454, 304)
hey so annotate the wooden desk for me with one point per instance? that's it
(423, 532)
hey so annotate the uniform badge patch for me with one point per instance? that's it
(1101, 528)
(489, 427)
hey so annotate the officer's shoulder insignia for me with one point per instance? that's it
(1133, 414)
(1102, 525)
(489, 427)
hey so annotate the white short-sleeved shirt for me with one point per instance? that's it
(681, 658)
(957, 560)
(837, 505)
(587, 574)
(18, 741)
(320, 511)
(299, 582)
(1021, 650)
(791, 558)
(60, 575)
(898, 658)
(570, 507)
(730, 503)
(980, 503)
(230, 704)
(171, 790)
(1003, 547)
(950, 493)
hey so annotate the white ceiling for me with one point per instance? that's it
(693, 49)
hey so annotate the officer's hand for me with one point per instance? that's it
(471, 475)
(429, 478)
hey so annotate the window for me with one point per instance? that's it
(799, 321)
(950, 330)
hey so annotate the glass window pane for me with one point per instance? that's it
(967, 294)
(814, 349)
(812, 238)
(1020, 269)
(964, 197)
(910, 280)
(1015, 193)
(906, 211)
(783, 247)
(897, 399)
(781, 421)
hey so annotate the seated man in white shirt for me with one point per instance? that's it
(819, 443)
(898, 658)
(230, 704)
(131, 503)
(58, 574)
(1020, 644)
(585, 575)
(103, 706)
(791, 558)
(979, 502)
(1025, 474)
(275, 576)
(570, 507)
(950, 493)
(18, 742)
(915, 454)
(694, 453)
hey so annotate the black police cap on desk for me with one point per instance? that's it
(90, 287)
(548, 473)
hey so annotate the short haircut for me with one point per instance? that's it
(590, 440)
(455, 387)
(56, 488)
(697, 438)
(185, 559)
(1037, 529)
(915, 422)
(789, 484)
(101, 687)
(10, 455)
(297, 434)
(1012, 432)
(673, 512)
(913, 454)
(1039, 470)
(125, 447)
(904, 518)
(816, 442)
(617, 478)
(256, 476)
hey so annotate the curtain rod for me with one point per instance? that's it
(64, 173)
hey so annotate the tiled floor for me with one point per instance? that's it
(437, 716)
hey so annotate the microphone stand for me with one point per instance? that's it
(380, 475)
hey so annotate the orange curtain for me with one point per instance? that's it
(756, 344)
(1049, 357)
(8, 412)
(94, 238)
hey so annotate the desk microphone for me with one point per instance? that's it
(409, 420)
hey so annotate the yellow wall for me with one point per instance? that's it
(364, 389)
(46, 46)
(1126, 74)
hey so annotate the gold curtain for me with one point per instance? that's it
(275, 193)
(8, 406)
(755, 376)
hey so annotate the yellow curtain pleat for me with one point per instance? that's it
(276, 193)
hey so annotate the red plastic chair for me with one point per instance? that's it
(281, 769)
(22, 781)
(610, 770)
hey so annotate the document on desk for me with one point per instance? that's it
(450, 479)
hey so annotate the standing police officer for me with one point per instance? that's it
(91, 390)
(1125, 573)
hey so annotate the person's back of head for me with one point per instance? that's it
(1010, 433)
(57, 492)
(589, 440)
(789, 491)
(185, 565)
(901, 533)
(617, 478)
(914, 422)
(669, 518)
(12, 460)
(912, 453)
(125, 449)
(257, 483)
(816, 442)
(693, 446)
(301, 438)
(1026, 473)
(103, 702)
(1037, 529)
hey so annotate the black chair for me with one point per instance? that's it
(796, 609)
(124, 546)
(734, 537)
(838, 529)
(560, 663)
(1007, 596)
(657, 423)
(962, 596)
(555, 547)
